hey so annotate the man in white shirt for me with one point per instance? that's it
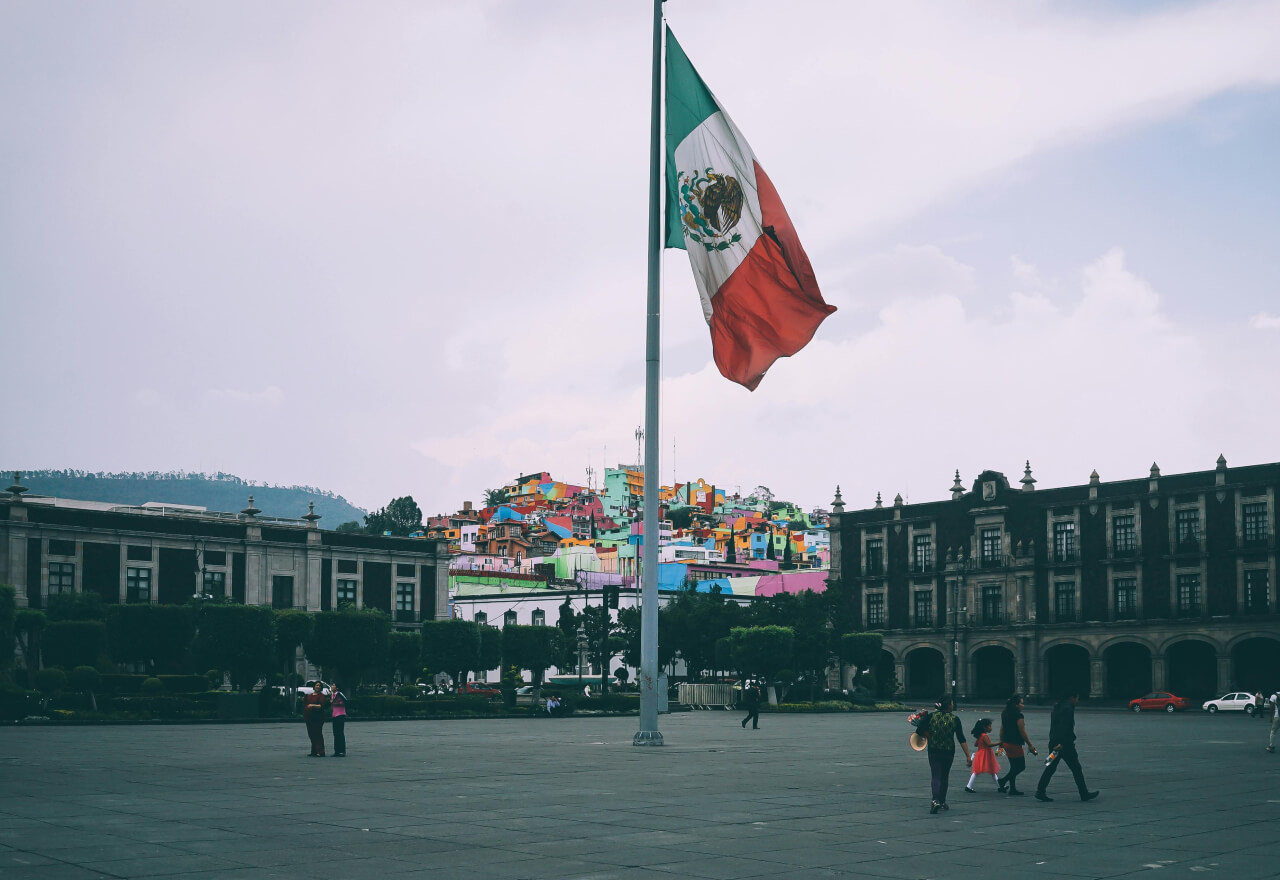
(1275, 721)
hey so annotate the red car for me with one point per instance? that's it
(481, 688)
(1159, 700)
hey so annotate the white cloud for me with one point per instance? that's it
(1264, 321)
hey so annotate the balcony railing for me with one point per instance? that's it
(1066, 557)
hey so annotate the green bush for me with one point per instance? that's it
(184, 684)
(408, 691)
(84, 678)
(152, 686)
(71, 643)
(611, 703)
(51, 681)
(380, 704)
(116, 683)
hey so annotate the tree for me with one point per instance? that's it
(451, 646)
(400, 517)
(50, 682)
(731, 552)
(350, 527)
(769, 551)
(71, 643)
(349, 644)
(490, 648)
(84, 679)
(861, 650)
(293, 628)
(786, 550)
(28, 625)
(603, 640)
(567, 645)
(8, 626)
(404, 653)
(528, 647)
(237, 638)
(496, 497)
(681, 518)
(159, 636)
(762, 650)
(74, 606)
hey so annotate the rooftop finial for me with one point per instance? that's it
(1222, 462)
(311, 515)
(878, 502)
(957, 488)
(837, 505)
(1155, 471)
(1094, 479)
(251, 511)
(897, 500)
(1028, 481)
(17, 488)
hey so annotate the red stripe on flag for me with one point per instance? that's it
(771, 306)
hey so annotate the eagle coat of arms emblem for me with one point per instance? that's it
(710, 208)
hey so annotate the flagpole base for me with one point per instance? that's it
(647, 738)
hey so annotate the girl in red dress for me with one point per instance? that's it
(984, 756)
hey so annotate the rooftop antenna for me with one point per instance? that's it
(591, 473)
(639, 447)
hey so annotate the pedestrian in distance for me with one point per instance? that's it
(1257, 706)
(313, 712)
(984, 756)
(1062, 747)
(338, 718)
(751, 699)
(944, 733)
(1275, 721)
(1013, 736)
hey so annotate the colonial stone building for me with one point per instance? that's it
(169, 555)
(1120, 588)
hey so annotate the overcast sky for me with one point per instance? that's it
(399, 248)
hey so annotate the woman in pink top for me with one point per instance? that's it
(339, 719)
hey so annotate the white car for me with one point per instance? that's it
(1240, 702)
(310, 687)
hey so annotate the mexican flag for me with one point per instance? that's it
(758, 291)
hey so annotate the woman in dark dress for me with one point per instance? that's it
(313, 712)
(1013, 736)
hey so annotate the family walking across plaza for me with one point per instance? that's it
(938, 732)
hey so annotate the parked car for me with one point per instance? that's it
(1159, 700)
(1239, 702)
(480, 687)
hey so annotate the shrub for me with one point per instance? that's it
(611, 702)
(380, 704)
(115, 683)
(84, 678)
(50, 681)
(74, 606)
(184, 684)
(408, 691)
(152, 687)
(214, 677)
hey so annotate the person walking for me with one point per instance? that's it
(984, 756)
(338, 717)
(751, 697)
(1258, 706)
(1275, 721)
(944, 733)
(1062, 747)
(1013, 736)
(313, 712)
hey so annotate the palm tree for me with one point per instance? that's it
(495, 497)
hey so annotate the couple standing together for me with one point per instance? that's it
(945, 732)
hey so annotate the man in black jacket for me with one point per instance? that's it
(1062, 742)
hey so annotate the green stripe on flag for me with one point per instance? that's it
(689, 103)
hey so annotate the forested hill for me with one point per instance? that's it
(223, 492)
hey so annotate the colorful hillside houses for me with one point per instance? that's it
(551, 536)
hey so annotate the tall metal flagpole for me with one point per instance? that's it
(648, 734)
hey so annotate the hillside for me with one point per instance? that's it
(223, 492)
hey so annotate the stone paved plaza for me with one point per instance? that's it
(804, 796)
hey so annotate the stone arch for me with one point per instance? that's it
(926, 669)
(1127, 665)
(1191, 667)
(1067, 667)
(1194, 636)
(993, 671)
(1137, 639)
(1255, 663)
(1089, 649)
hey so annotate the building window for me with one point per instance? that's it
(992, 605)
(509, 618)
(282, 591)
(875, 609)
(1255, 523)
(404, 570)
(1126, 598)
(991, 552)
(481, 618)
(1064, 601)
(137, 584)
(539, 617)
(215, 557)
(1064, 542)
(404, 596)
(924, 552)
(1188, 594)
(62, 548)
(1188, 529)
(875, 557)
(215, 583)
(346, 591)
(62, 578)
(1124, 539)
(924, 607)
(135, 553)
(1256, 589)
(346, 566)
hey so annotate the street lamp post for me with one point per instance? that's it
(958, 565)
(582, 651)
